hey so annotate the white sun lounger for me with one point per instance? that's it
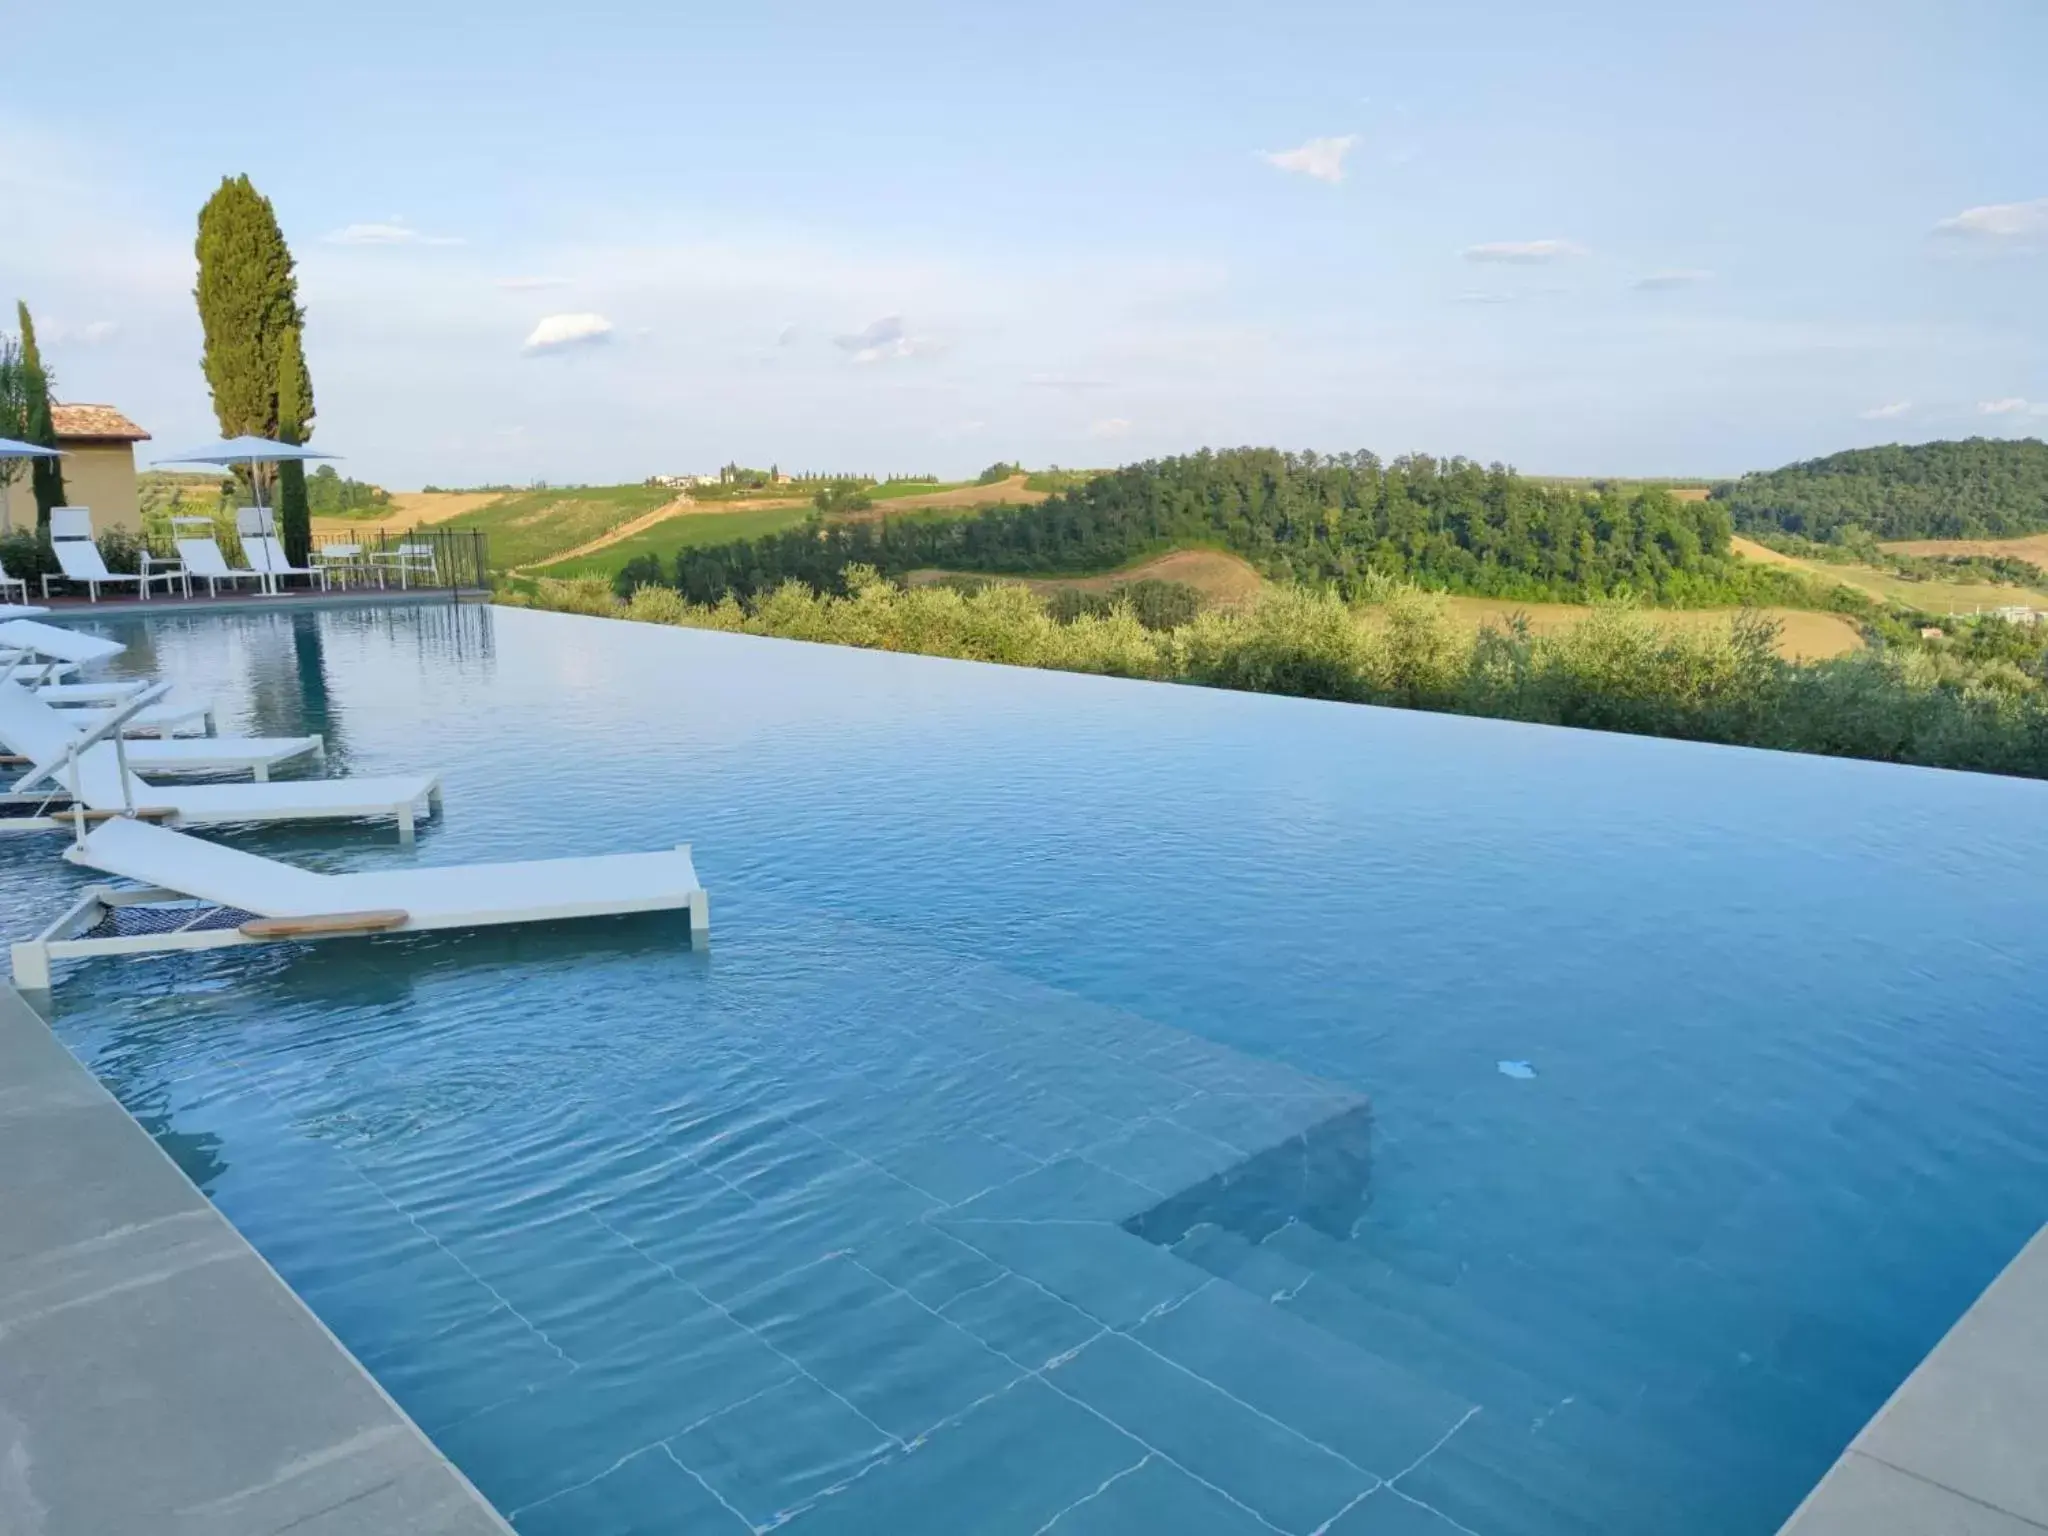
(202, 559)
(55, 643)
(165, 719)
(110, 692)
(92, 767)
(31, 729)
(71, 542)
(200, 895)
(257, 529)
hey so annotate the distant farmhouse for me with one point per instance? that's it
(98, 443)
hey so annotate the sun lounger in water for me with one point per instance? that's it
(198, 895)
(29, 730)
(94, 770)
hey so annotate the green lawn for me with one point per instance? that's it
(686, 532)
(528, 527)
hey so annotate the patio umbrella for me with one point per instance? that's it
(10, 449)
(246, 450)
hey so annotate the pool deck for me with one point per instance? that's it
(1962, 1448)
(155, 1373)
(68, 607)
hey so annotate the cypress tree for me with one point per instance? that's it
(294, 425)
(248, 298)
(38, 426)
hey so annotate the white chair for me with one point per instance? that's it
(412, 562)
(7, 581)
(202, 558)
(345, 562)
(71, 541)
(258, 529)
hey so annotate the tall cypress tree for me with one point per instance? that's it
(248, 298)
(45, 477)
(294, 425)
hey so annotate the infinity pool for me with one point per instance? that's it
(1103, 1107)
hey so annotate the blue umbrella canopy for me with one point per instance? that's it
(244, 450)
(10, 449)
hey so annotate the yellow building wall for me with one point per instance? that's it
(102, 476)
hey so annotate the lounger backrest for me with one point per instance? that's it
(271, 557)
(71, 522)
(213, 872)
(250, 520)
(29, 727)
(56, 642)
(81, 560)
(202, 557)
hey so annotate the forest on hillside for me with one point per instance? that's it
(1978, 488)
(1330, 520)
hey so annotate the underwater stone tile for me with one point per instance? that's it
(1016, 1461)
(771, 1453)
(890, 1357)
(1289, 1481)
(927, 1263)
(648, 1494)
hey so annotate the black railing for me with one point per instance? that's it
(428, 557)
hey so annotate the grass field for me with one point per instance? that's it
(532, 527)
(1930, 597)
(2033, 548)
(688, 531)
(1803, 635)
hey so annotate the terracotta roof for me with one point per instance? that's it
(101, 422)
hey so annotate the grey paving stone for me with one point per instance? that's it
(155, 1374)
(1974, 1416)
(1862, 1497)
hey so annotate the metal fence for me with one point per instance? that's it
(453, 559)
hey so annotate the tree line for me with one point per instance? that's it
(1978, 488)
(1327, 520)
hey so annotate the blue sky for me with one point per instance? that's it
(603, 241)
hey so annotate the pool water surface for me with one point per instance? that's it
(1099, 1107)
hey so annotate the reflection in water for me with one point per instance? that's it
(1321, 1178)
(197, 1153)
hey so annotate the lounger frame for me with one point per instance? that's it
(212, 926)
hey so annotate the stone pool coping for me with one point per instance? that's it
(155, 1373)
(1958, 1449)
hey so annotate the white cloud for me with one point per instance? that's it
(1673, 277)
(876, 340)
(1486, 298)
(1321, 159)
(2000, 223)
(393, 231)
(1064, 382)
(1109, 426)
(559, 331)
(530, 284)
(1891, 412)
(2013, 405)
(787, 335)
(98, 331)
(1525, 253)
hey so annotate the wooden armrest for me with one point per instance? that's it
(142, 813)
(332, 923)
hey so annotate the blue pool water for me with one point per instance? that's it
(1089, 1115)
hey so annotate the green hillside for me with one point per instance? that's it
(1979, 488)
(532, 527)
